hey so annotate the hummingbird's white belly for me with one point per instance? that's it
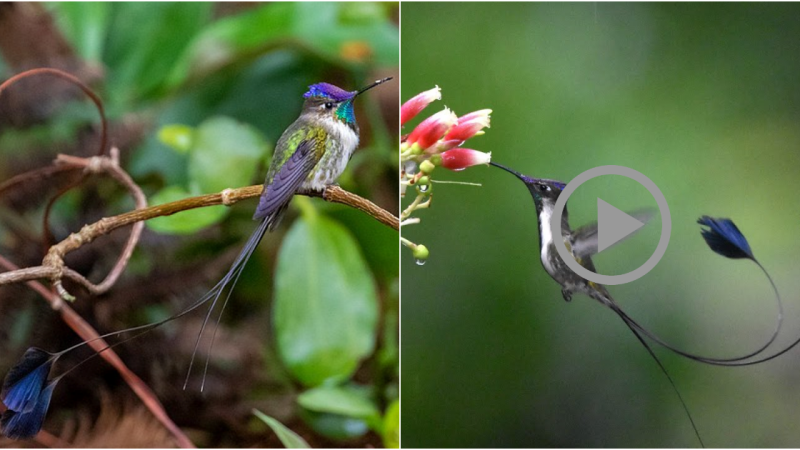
(342, 141)
(547, 238)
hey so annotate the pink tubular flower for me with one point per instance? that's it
(460, 158)
(469, 125)
(431, 129)
(411, 108)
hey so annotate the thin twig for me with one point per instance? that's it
(110, 165)
(40, 173)
(74, 80)
(335, 194)
(54, 268)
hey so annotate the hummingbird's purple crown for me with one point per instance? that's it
(328, 91)
(556, 183)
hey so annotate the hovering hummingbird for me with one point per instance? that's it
(582, 243)
(722, 236)
(310, 155)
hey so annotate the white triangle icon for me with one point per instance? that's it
(613, 225)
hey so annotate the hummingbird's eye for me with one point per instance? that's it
(329, 105)
(543, 187)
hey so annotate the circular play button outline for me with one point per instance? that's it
(566, 255)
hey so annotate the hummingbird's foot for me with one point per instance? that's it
(567, 295)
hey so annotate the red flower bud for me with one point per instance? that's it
(461, 158)
(469, 125)
(411, 108)
(431, 129)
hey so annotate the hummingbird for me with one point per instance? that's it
(723, 238)
(310, 154)
(582, 244)
(313, 151)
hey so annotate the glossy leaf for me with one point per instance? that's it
(178, 137)
(391, 426)
(350, 32)
(145, 40)
(185, 222)
(372, 237)
(85, 25)
(345, 32)
(334, 426)
(225, 154)
(288, 438)
(325, 308)
(339, 400)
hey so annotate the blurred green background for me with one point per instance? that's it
(701, 98)
(196, 95)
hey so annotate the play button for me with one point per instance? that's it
(613, 225)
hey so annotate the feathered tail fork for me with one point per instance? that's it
(724, 238)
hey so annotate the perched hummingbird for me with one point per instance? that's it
(313, 151)
(309, 155)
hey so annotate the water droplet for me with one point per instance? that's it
(424, 187)
(410, 168)
(420, 262)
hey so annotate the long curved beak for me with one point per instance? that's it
(511, 171)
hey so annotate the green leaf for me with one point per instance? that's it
(185, 222)
(348, 32)
(228, 38)
(334, 426)
(391, 426)
(225, 154)
(361, 34)
(145, 40)
(339, 400)
(288, 438)
(325, 309)
(378, 241)
(176, 136)
(85, 25)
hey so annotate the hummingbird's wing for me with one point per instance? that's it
(584, 239)
(285, 183)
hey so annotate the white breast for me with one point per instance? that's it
(547, 238)
(341, 143)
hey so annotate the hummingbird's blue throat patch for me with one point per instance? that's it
(328, 90)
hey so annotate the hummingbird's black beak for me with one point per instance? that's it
(511, 171)
(361, 91)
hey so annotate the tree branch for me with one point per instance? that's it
(54, 268)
